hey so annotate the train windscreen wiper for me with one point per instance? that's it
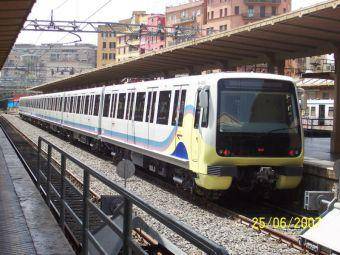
(281, 129)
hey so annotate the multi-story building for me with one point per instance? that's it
(153, 35)
(30, 64)
(191, 15)
(106, 52)
(228, 14)
(128, 42)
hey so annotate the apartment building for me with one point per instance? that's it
(106, 52)
(224, 15)
(153, 35)
(128, 42)
(191, 15)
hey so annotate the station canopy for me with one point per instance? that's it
(13, 15)
(302, 33)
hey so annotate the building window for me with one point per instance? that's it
(225, 12)
(112, 45)
(274, 10)
(325, 95)
(223, 28)
(212, 14)
(251, 11)
(104, 56)
(104, 45)
(221, 13)
(112, 56)
(262, 11)
(208, 15)
(237, 10)
(330, 111)
(284, 10)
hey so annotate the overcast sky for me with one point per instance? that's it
(82, 9)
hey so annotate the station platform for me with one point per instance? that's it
(26, 223)
(319, 164)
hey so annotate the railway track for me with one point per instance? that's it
(27, 151)
(238, 215)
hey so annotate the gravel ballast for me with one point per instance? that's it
(234, 236)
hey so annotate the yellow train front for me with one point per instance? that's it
(249, 133)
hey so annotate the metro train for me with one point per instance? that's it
(205, 132)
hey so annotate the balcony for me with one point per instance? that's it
(266, 2)
(256, 16)
(184, 20)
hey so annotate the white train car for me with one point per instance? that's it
(319, 114)
(201, 131)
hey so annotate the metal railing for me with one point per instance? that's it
(129, 199)
(317, 123)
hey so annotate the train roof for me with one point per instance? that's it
(184, 79)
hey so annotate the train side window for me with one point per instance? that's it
(71, 105)
(331, 111)
(82, 105)
(78, 105)
(106, 109)
(86, 108)
(178, 112)
(128, 106)
(91, 105)
(205, 114)
(197, 111)
(113, 105)
(131, 105)
(96, 105)
(139, 109)
(175, 108)
(121, 105)
(312, 111)
(163, 107)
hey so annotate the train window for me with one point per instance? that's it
(128, 106)
(87, 101)
(163, 107)
(330, 111)
(312, 111)
(198, 111)
(151, 106)
(139, 109)
(106, 105)
(71, 105)
(91, 105)
(121, 105)
(78, 104)
(205, 115)
(96, 105)
(129, 110)
(178, 112)
(113, 105)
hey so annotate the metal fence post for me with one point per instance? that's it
(86, 187)
(127, 227)
(48, 191)
(39, 163)
(62, 191)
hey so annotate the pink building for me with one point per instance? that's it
(152, 37)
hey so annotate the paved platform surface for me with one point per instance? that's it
(26, 224)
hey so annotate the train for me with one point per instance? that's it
(206, 133)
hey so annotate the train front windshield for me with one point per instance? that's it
(257, 117)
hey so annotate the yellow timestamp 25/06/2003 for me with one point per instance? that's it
(285, 222)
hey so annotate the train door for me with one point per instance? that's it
(178, 113)
(321, 115)
(150, 114)
(195, 135)
(129, 116)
